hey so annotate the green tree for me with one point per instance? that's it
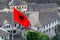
(33, 35)
(57, 37)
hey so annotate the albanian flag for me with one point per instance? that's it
(20, 18)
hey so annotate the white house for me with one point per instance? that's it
(6, 23)
(9, 27)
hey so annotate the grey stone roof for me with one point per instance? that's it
(5, 16)
(2, 6)
(42, 7)
(45, 18)
(3, 0)
(18, 2)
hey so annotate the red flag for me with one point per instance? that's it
(20, 18)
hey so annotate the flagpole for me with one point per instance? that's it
(12, 25)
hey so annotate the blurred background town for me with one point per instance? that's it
(44, 16)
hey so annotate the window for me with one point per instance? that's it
(49, 29)
(15, 25)
(44, 26)
(52, 27)
(46, 30)
(22, 6)
(2, 37)
(6, 26)
(9, 26)
(17, 7)
(38, 28)
(19, 24)
(14, 31)
(43, 31)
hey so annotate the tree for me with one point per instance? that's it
(33, 35)
(57, 37)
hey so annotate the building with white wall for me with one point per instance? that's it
(6, 14)
(43, 18)
(6, 21)
(45, 22)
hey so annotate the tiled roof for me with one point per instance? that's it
(42, 7)
(5, 16)
(3, 0)
(47, 17)
(18, 2)
(2, 6)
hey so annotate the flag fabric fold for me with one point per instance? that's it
(20, 18)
